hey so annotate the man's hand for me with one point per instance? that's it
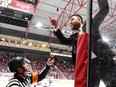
(53, 22)
(50, 61)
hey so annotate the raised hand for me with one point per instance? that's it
(53, 22)
(50, 60)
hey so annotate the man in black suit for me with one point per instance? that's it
(104, 55)
(77, 26)
(76, 21)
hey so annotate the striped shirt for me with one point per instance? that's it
(30, 78)
(19, 82)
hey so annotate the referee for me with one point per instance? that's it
(23, 77)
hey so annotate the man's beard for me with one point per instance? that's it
(76, 26)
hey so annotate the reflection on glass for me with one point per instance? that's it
(103, 65)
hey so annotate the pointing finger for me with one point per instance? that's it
(50, 18)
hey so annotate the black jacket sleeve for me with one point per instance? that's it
(104, 10)
(43, 73)
(62, 38)
(99, 17)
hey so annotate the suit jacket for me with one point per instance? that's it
(72, 40)
(99, 47)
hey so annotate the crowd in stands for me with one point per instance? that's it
(62, 68)
(3, 64)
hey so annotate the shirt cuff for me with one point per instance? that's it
(55, 29)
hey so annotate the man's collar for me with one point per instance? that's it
(80, 30)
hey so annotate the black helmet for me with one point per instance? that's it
(15, 62)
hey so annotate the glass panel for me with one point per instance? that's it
(102, 71)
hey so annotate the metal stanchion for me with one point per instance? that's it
(88, 29)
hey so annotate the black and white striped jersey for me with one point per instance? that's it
(16, 83)
(30, 79)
